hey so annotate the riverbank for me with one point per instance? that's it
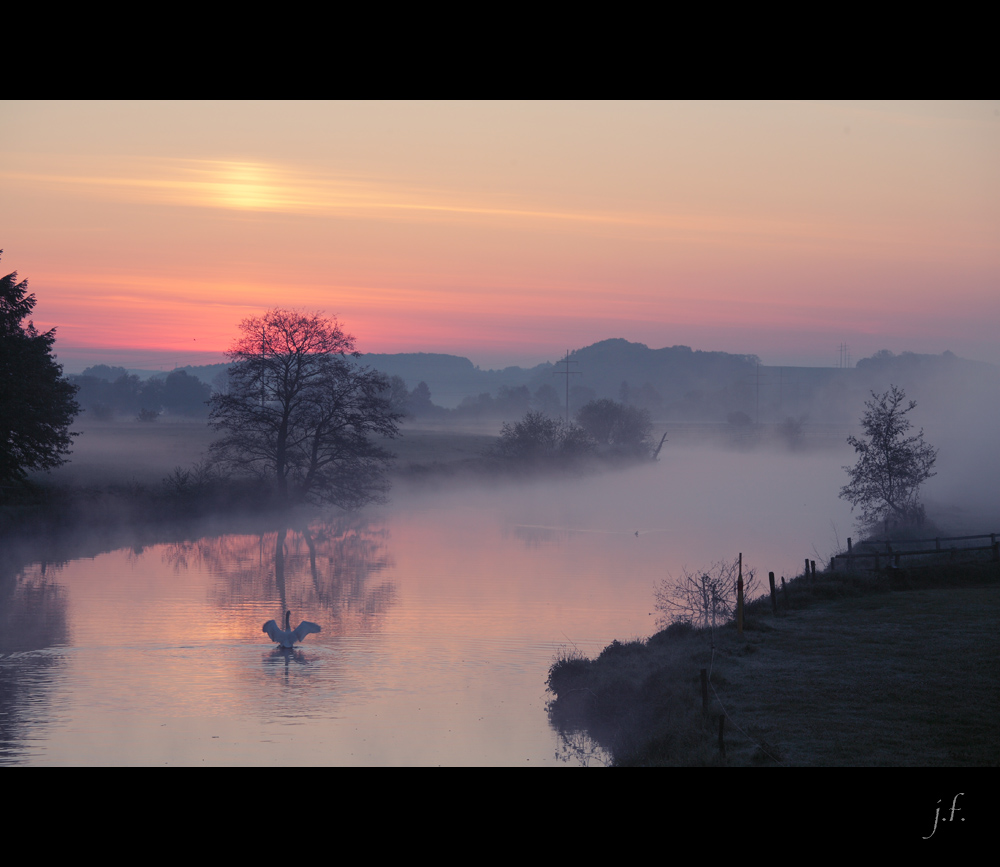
(124, 452)
(899, 669)
(130, 472)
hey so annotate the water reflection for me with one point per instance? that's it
(440, 618)
(324, 568)
(33, 611)
(279, 662)
(577, 747)
(32, 619)
(536, 537)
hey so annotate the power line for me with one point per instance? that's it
(567, 372)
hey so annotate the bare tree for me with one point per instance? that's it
(707, 599)
(891, 467)
(300, 411)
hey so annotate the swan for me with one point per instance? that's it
(287, 637)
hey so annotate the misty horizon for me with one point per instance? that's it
(75, 361)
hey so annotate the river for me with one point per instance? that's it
(440, 613)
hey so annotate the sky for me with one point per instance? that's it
(508, 232)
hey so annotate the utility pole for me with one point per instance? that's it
(758, 373)
(567, 361)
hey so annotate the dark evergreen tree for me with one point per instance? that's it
(37, 404)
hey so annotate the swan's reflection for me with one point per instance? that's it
(323, 568)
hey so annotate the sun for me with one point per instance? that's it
(246, 187)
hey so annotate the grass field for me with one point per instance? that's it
(900, 678)
(888, 678)
(127, 451)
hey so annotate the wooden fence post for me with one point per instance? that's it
(704, 690)
(739, 599)
(774, 599)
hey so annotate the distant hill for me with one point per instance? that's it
(673, 372)
(942, 385)
(677, 383)
(449, 377)
(669, 375)
(913, 365)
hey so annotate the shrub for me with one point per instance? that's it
(706, 600)
(538, 440)
(618, 428)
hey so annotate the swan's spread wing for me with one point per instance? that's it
(273, 632)
(304, 628)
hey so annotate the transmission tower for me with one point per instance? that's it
(567, 372)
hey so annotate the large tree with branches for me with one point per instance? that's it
(37, 404)
(885, 482)
(301, 412)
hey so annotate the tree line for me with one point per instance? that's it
(105, 392)
(513, 401)
(603, 428)
(300, 413)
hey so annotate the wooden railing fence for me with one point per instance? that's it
(894, 550)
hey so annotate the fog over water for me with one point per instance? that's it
(441, 613)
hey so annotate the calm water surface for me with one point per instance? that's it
(441, 614)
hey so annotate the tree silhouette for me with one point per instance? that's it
(891, 467)
(538, 441)
(185, 394)
(617, 428)
(37, 405)
(299, 411)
